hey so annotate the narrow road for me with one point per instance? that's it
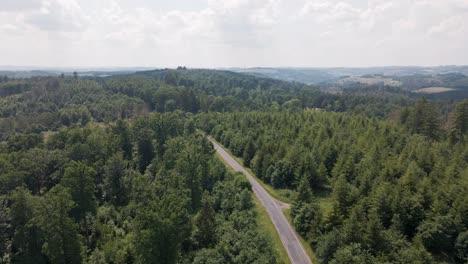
(291, 242)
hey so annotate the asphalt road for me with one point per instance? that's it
(291, 242)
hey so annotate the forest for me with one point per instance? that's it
(363, 190)
(106, 194)
(118, 169)
(44, 103)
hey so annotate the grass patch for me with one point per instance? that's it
(305, 244)
(265, 224)
(46, 135)
(326, 204)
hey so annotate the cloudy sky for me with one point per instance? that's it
(225, 33)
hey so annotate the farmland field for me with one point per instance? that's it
(432, 90)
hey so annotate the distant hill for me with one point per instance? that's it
(28, 72)
(304, 75)
(392, 79)
(326, 75)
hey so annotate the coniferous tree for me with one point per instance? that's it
(123, 137)
(145, 149)
(206, 223)
(249, 153)
(461, 117)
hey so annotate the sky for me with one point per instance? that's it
(233, 33)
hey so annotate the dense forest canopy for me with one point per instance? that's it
(117, 169)
(373, 189)
(41, 103)
(109, 194)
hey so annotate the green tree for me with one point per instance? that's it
(79, 181)
(162, 222)
(27, 239)
(342, 194)
(5, 232)
(123, 138)
(249, 153)
(308, 221)
(373, 232)
(205, 223)
(192, 164)
(115, 189)
(352, 254)
(414, 254)
(61, 242)
(438, 233)
(145, 149)
(304, 192)
(304, 196)
(327, 245)
(257, 164)
(461, 246)
(461, 117)
(405, 112)
(413, 175)
(245, 199)
(424, 119)
(353, 229)
(282, 175)
(293, 105)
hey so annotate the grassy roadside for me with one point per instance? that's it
(324, 202)
(308, 249)
(265, 224)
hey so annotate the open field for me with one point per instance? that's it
(433, 90)
(370, 81)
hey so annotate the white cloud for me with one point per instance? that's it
(328, 12)
(58, 15)
(19, 5)
(451, 26)
(234, 32)
(46, 15)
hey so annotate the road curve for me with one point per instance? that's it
(291, 242)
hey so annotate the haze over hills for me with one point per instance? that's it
(443, 82)
(307, 75)
(318, 75)
(448, 82)
(30, 71)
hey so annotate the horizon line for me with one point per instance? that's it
(109, 68)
